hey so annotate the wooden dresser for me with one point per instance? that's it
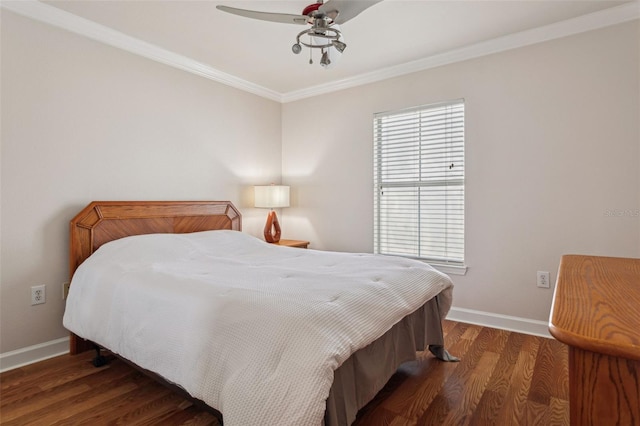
(596, 312)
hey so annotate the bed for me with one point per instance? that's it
(263, 334)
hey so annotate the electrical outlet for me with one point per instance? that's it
(65, 289)
(38, 295)
(543, 279)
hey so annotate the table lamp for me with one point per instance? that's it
(271, 197)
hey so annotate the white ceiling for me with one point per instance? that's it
(389, 34)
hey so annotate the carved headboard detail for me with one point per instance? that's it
(104, 221)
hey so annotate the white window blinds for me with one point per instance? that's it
(419, 183)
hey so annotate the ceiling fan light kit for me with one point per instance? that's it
(323, 37)
(324, 18)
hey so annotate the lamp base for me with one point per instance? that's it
(272, 228)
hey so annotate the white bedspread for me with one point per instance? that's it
(254, 330)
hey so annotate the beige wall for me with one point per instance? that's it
(82, 121)
(552, 145)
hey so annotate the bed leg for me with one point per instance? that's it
(99, 360)
(442, 354)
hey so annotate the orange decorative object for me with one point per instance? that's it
(272, 228)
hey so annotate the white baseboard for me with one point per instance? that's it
(42, 351)
(503, 322)
(32, 354)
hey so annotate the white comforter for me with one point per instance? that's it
(254, 330)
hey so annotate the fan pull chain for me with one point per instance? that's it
(311, 53)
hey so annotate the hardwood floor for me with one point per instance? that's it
(503, 378)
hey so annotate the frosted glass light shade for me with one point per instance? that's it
(271, 196)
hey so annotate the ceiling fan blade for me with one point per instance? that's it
(346, 9)
(284, 18)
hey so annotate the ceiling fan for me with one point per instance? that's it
(324, 18)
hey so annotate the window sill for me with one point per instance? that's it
(450, 269)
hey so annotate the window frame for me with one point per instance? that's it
(447, 265)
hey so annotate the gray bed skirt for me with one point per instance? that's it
(366, 372)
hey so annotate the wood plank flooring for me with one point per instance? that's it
(503, 378)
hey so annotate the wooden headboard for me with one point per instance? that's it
(104, 221)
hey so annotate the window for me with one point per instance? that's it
(419, 183)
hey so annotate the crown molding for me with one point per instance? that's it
(51, 15)
(59, 18)
(592, 21)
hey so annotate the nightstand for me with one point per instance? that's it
(292, 243)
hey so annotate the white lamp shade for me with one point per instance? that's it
(271, 196)
(333, 53)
